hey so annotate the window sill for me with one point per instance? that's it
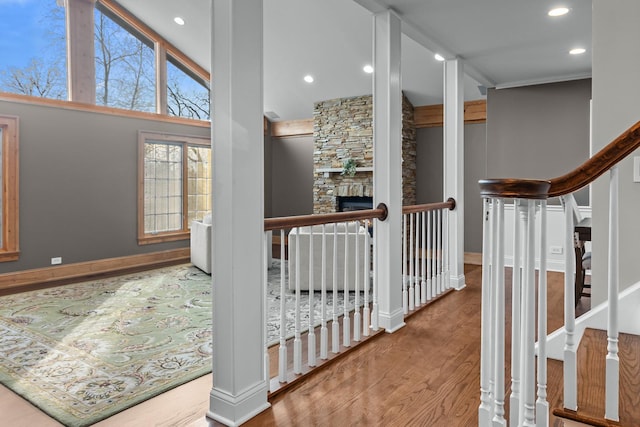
(151, 239)
(9, 256)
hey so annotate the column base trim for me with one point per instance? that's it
(236, 410)
(458, 283)
(391, 322)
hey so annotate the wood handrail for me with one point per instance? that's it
(449, 204)
(380, 212)
(578, 178)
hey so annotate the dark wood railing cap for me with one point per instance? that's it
(515, 188)
(583, 175)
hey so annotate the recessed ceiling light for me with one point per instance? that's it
(577, 51)
(178, 20)
(438, 57)
(368, 69)
(308, 78)
(558, 11)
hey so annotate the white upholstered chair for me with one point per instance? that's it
(301, 236)
(201, 244)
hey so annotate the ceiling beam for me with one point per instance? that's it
(423, 37)
(424, 117)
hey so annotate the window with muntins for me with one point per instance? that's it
(174, 185)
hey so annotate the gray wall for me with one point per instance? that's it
(78, 185)
(539, 131)
(429, 185)
(291, 176)
(616, 67)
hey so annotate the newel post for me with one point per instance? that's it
(240, 384)
(454, 166)
(387, 165)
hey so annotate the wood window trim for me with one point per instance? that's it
(144, 29)
(10, 250)
(100, 109)
(186, 140)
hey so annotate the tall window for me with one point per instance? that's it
(33, 42)
(187, 93)
(125, 69)
(174, 185)
(9, 184)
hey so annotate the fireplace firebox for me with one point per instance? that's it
(353, 203)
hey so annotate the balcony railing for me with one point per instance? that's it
(328, 292)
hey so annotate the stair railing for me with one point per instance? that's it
(528, 399)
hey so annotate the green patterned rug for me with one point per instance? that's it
(86, 351)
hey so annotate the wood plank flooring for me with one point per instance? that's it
(425, 374)
(591, 374)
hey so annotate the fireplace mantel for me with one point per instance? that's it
(327, 171)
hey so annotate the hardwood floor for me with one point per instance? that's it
(425, 374)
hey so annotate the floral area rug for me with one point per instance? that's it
(85, 351)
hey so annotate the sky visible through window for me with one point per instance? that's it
(22, 31)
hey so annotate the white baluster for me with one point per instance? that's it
(542, 406)
(311, 337)
(527, 368)
(405, 293)
(439, 245)
(324, 333)
(613, 362)
(447, 275)
(374, 291)
(570, 367)
(418, 256)
(265, 262)
(366, 312)
(431, 251)
(297, 342)
(335, 324)
(516, 315)
(412, 296)
(485, 408)
(282, 350)
(499, 318)
(356, 312)
(346, 320)
(423, 259)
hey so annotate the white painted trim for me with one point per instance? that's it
(387, 163)
(238, 409)
(555, 236)
(458, 282)
(596, 318)
(554, 79)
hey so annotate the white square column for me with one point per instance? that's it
(240, 383)
(454, 166)
(387, 167)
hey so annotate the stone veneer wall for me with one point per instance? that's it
(342, 129)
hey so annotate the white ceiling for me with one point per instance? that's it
(502, 43)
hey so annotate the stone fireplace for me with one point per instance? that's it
(342, 129)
